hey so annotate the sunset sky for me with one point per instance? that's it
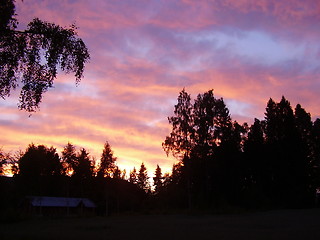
(144, 52)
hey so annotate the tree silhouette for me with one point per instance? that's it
(315, 154)
(179, 142)
(142, 178)
(124, 174)
(196, 170)
(157, 180)
(39, 161)
(3, 160)
(208, 145)
(69, 159)
(225, 163)
(32, 56)
(39, 171)
(273, 163)
(303, 123)
(256, 169)
(304, 140)
(107, 165)
(14, 162)
(287, 153)
(133, 176)
(116, 173)
(7, 161)
(84, 168)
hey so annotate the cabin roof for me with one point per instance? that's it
(41, 201)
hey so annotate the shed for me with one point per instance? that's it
(57, 206)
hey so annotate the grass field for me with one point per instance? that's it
(282, 224)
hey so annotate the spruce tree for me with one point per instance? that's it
(157, 180)
(143, 179)
(107, 165)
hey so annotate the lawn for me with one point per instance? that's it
(282, 224)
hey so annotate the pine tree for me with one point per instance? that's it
(84, 168)
(157, 180)
(142, 180)
(133, 176)
(107, 162)
(116, 173)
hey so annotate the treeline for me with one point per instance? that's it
(274, 163)
(41, 171)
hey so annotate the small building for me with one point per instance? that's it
(58, 206)
(317, 199)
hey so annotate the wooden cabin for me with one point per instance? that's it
(58, 206)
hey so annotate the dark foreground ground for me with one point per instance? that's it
(283, 224)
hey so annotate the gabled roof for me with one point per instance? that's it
(40, 201)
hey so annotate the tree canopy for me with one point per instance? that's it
(31, 57)
(107, 166)
(142, 178)
(39, 161)
(275, 161)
